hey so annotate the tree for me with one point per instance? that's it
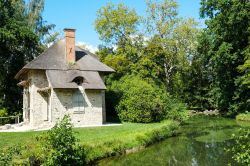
(161, 21)
(162, 54)
(228, 31)
(245, 69)
(19, 43)
(176, 38)
(200, 76)
(116, 23)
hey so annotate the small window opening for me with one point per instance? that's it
(78, 80)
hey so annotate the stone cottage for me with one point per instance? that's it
(65, 79)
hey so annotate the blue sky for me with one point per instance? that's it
(81, 14)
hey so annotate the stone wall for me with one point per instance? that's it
(87, 112)
(85, 107)
(38, 102)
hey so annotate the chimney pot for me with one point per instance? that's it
(70, 45)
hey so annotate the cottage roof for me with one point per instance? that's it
(65, 79)
(60, 74)
(54, 58)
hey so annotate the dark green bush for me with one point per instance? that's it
(139, 101)
(144, 102)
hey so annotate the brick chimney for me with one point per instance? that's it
(70, 45)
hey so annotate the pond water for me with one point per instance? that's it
(200, 142)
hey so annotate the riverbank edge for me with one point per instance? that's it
(117, 147)
(131, 141)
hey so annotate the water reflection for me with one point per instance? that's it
(200, 142)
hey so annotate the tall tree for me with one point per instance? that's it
(116, 23)
(176, 38)
(117, 26)
(228, 31)
(19, 43)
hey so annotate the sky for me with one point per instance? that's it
(81, 14)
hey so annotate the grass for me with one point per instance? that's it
(106, 141)
(243, 117)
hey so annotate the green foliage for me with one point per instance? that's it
(98, 142)
(3, 113)
(142, 135)
(21, 32)
(174, 109)
(161, 17)
(158, 59)
(199, 77)
(241, 148)
(243, 116)
(9, 155)
(115, 23)
(119, 63)
(225, 46)
(57, 146)
(60, 145)
(142, 101)
(157, 135)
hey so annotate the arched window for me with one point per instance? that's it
(78, 80)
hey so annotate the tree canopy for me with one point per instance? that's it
(21, 31)
(205, 68)
(227, 36)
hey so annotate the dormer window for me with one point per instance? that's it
(79, 80)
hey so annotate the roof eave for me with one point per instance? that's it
(18, 75)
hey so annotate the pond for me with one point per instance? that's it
(200, 142)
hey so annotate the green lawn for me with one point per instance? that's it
(92, 135)
(100, 142)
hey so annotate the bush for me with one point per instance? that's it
(241, 148)
(58, 147)
(174, 109)
(243, 116)
(60, 142)
(144, 102)
(9, 155)
(3, 113)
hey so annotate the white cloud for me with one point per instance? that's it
(87, 46)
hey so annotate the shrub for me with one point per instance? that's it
(241, 148)
(60, 142)
(8, 156)
(174, 109)
(3, 113)
(58, 147)
(139, 102)
(144, 102)
(243, 116)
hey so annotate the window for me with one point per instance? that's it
(78, 80)
(78, 102)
